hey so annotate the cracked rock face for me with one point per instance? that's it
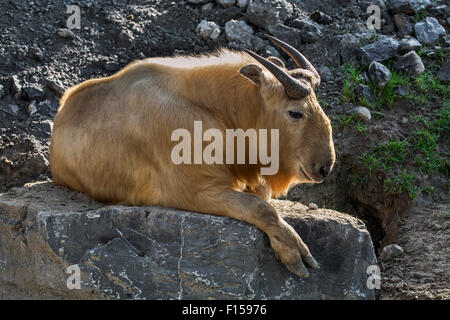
(162, 253)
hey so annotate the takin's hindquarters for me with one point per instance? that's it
(112, 140)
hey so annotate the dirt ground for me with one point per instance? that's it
(37, 65)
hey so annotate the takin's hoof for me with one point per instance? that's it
(299, 269)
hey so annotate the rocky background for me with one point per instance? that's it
(386, 92)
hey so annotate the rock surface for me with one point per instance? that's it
(160, 253)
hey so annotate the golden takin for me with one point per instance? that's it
(113, 138)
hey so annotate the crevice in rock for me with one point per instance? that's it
(180, 293)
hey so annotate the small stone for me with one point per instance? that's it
(226, 3)
(35, 165)
(32, 108)
(379, 51)
(428, 30)
(379, 73)
(47, 126)
(313, 206)
(410, 63)
(238, 31)
(208, 30)
(207, 6)
(257, 43)
(421, 274)
(438, 10)
(326, 75)
(126, 38)
(310, 31)
(321, 17)
(444, 72)
(65, 33)
(56, 86)
(11, 109)
(16, 86)
(36, 53)
(48, 108)
(269, 13)
(408, 44)
(32, 92)
(349, 48)
(2, 91)
(362, 92)
(287, 34)
(362, 112)
(401, 90)
(391, 251)
(403, 24)
(445, 42)
(112, 66)
(242, 3)
(408, 6)
(271, 51)
(405, 120)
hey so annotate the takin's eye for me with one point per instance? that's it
(295, 114)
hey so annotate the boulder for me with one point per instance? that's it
(408, 6)
(403, 24)
(238, 31)
(287, 34)
(326, 75)
(379, 51)
(428, 30)
(321, 17)
(349, 48)
(310, 31)
(48, 232)
(409, 63)
(379, 73)
(269, 13)
(208, 30)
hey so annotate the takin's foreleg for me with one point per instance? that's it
(285, 241)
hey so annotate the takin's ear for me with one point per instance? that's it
(253, 72)
(277, 61)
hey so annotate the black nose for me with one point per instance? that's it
(324, 171)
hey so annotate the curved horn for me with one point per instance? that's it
(294, 88)
(299, 59)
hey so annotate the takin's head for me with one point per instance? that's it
(306, 143)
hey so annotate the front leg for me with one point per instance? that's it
(285, 241)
